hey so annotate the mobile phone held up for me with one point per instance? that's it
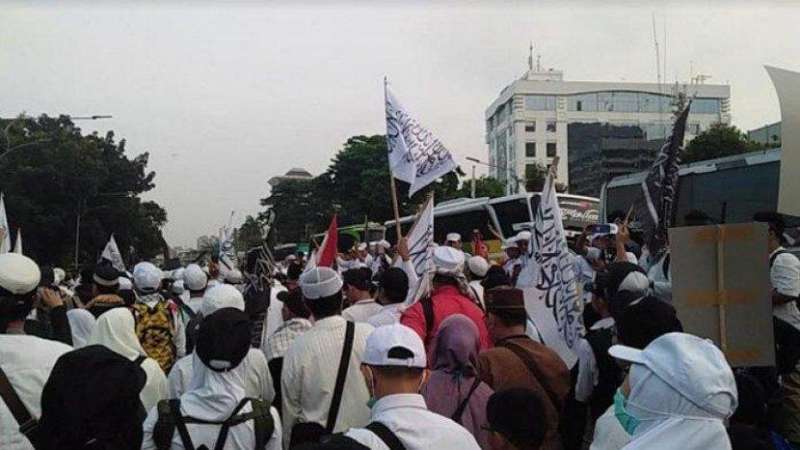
(604, 228)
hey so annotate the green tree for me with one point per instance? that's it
(718, 141)
(53, 174)
(248, 235)
(534, 177)
(484, 187)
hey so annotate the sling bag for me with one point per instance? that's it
(28, 425)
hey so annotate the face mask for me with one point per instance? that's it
(628, 422)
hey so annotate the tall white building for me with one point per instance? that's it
(536, 118)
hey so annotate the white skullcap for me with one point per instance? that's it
(234, 276)
(194, 278)
(509, 243)
(177, 287)
(386, 340)
(478, 265)
(221, 296)
(125, 284)
(320, 282)
(59, 275)
(524, 236)
(18, 273)
(448, 259)
(453, 237)
(362, 246)
(146, 277)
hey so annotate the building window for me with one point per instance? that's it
(530, 127)
(705, 106)
(551, 126)
(530, 149)
(540, 102)
(551, 149)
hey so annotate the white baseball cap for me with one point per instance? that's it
(18, 273)
(194, 278)
(448, 259)
(693, 366)
(453, 237)
(221, 296)
(319, 282)
(146, 277)
(478, 265)
(390, 345)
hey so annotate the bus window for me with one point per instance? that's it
(510, 212)
(577, 213)
(462, 223)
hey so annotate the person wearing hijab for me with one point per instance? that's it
(679, 392)
(217, 393)
(110, 413)
(258, 382)
(25, 360)
(82, 324)
(116, 331)
(454, 390)
(450, 295)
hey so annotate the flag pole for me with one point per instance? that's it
(392, 186)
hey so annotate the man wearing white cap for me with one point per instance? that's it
(310, 380)
(25, 361)
(520, 275)
(394, 366)
(454, 240)
(450, 295)
(195, 282)
(679, 392)
(364, 257)
(477, 267)
(158, 323)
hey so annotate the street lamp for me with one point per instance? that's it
(512, 173)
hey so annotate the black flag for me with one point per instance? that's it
(656, 211)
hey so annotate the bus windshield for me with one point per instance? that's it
(510, 212)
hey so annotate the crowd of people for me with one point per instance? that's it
(368, 354)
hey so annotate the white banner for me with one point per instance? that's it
(553, 303)
(112, 254)
(420, 240)
(5, 232)
(415, 155)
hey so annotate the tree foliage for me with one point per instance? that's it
(534, 177)
(52, 173)
(249, 234)
(718, 141)
(356, 186)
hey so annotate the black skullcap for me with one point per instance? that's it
(93, 393)
(360, 278)
(496, 276)
(394, 283)
(223, 339)
(642, 321)
(517, 415)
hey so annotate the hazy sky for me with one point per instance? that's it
(224, 95)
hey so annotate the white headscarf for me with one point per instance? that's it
(116, 330)
(669, 420)
(214, 395)
(82, 323)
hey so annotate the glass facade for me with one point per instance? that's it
(624, 101)
(705, 106)
(540, 102)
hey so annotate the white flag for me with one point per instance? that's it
(420, 240)
(112, 254)
(553, 302)
(18, 242)
(5, 232)
(415, 155)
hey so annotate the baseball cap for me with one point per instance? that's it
(320, 282)
(223, 339)
(194, 278)
(18, 273)
(146, 277)
(693, 366)
(394, 345)
(221, 296)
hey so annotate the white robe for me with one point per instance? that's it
(213, 396)
(116, 331)
(27, 362)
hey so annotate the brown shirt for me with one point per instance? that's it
(501, 369)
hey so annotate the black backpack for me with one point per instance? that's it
(170, 418)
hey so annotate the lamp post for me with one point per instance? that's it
(520, 183)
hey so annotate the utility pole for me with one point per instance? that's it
(472, 189)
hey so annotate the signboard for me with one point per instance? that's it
(787, 85)
(721, 289)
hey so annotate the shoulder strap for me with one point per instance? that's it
(180, 423)
(344, 364)
(526, 359)
(230, 421)
(28, 425)
(427, 310)
(139, 360)
(264, 425)
(386, 435)
(456, 417)
(164, 428)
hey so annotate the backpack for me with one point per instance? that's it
(155, 330)
(170, 418)
(380, 430)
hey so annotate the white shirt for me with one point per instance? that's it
(416, 427)
(257, 382)
(27, 362)
(588, 375)
(309, 375)
(785, 278)
(362, 310)
(388, 315)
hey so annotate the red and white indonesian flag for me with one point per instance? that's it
(415, 155)
(326, 255)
